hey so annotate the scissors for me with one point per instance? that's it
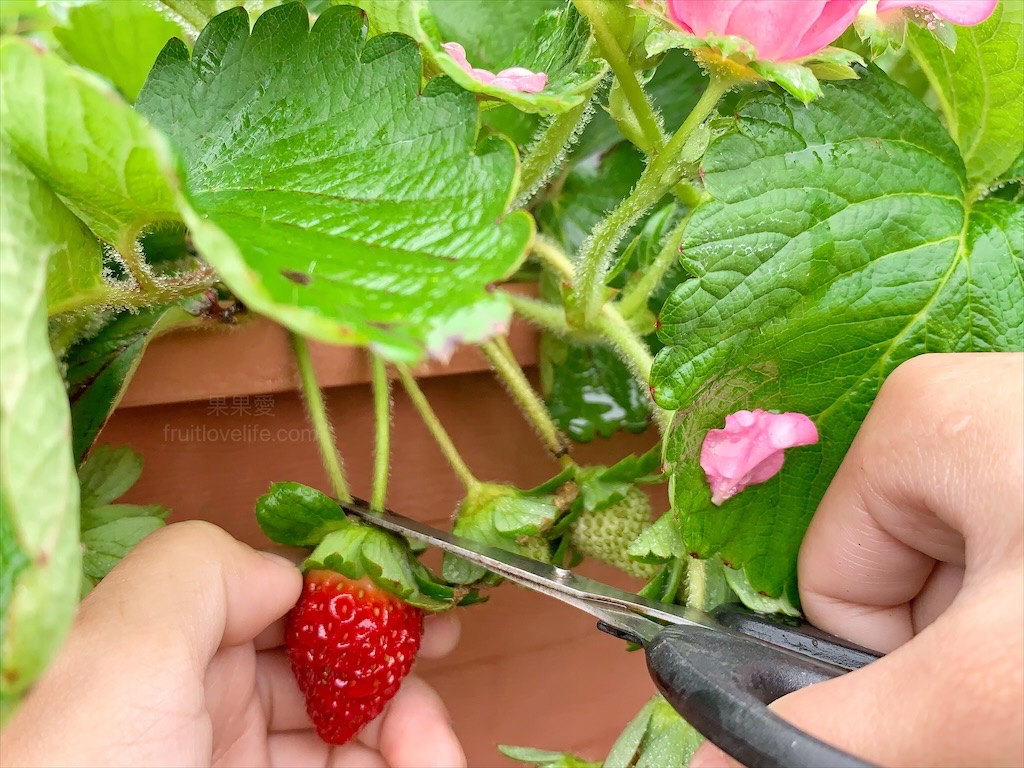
(719, 670)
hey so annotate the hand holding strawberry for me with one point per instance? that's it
(196, 675)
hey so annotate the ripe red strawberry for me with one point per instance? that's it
(350, 644)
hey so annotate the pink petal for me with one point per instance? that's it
(750, 449)
(779, 30)
(835, 18)
(966, 13)
(458, 53)
(511, 79)
(522, 80)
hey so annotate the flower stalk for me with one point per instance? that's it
(437, 430)
(526, 397)
(624, 74)
(382, 432)
(316, 409)
(661, 174)
(634, 298)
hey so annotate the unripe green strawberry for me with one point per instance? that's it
(605, 534)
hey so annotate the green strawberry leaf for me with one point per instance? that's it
(873, 253)
(107, 474)
(105, 545)
(99, 368)
(109, 531)
(94, 517)
(110, 169)
(117, 40)
(38, 488)
(74, 273)
(297, 515)
(331, 193)
(552, 38)
(489, 30)
(980, 87)
(542, 758)
(656, 737)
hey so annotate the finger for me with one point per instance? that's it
(271, 637)
(949, 697)
(927, 471)
(414, 730)
(190, 586)
(279, 694)
(440, 635)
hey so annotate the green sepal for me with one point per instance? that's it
(542, 758)
(660, 543)
(792, 77)
(666, 585)
(357, 551)
(757, 601)
(502, 516)
(601, 487)
(297, 515)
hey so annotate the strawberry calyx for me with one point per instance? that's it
(504, 516)
(297, 515)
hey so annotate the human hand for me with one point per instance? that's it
(175, 659)
(917, 549)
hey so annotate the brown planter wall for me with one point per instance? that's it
(528, 670)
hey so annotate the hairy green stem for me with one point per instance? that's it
(382, 432)
(185, 12)
(441, 436)
(634, 297)
(554, 257)
(316, 408)
(526, 397)
(550, 317)
(635, 352)
(548, 150)
(660, 175)
(616, 57)
(122, 295)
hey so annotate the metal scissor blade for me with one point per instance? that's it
(634, 615)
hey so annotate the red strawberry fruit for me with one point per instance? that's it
(350, 644)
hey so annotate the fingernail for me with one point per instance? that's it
(710, 756)
(277, 559)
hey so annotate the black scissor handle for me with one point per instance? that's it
(721, 683)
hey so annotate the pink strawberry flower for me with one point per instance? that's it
(779, 30)
(965, 13)
(512, 79)
(749, 450)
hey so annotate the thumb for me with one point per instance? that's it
(948, 697)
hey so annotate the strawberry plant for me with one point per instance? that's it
(734, 239)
